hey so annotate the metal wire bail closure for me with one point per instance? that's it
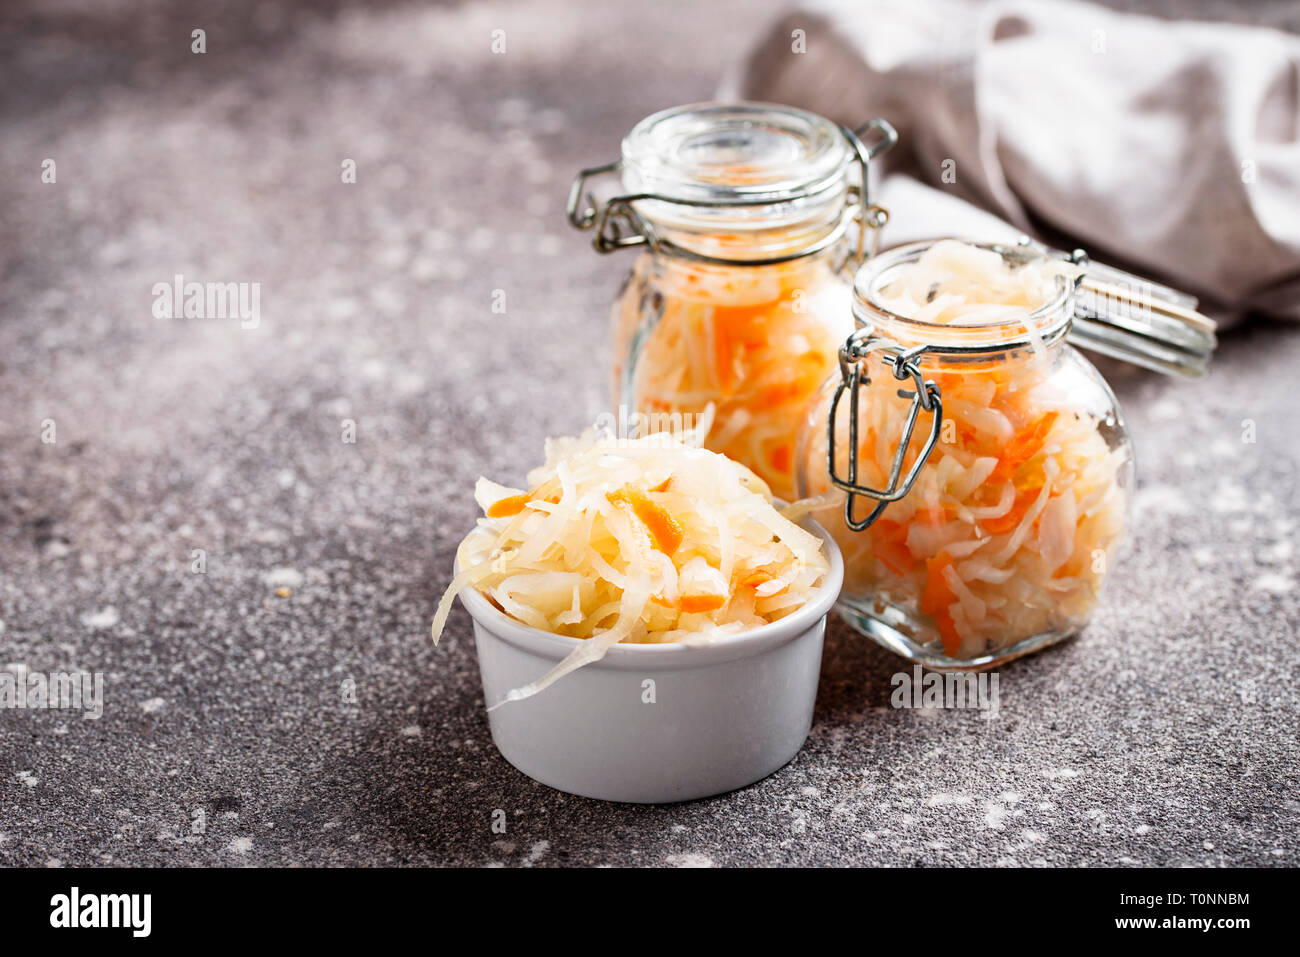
(618, 225)
(924, 396)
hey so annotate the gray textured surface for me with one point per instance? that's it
(1165, 734)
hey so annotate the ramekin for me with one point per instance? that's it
(656, 723)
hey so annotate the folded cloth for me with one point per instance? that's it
(1169, 148)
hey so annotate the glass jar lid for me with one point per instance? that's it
(1139, 321)
(776, 157)
(737, 184)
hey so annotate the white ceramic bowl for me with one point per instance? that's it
(656, 723)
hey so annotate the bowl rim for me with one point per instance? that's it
(548, 644)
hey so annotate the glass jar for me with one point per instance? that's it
(977, 476)
(752, 218)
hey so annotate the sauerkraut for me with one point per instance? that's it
(1012, 524)
(635, 540)
(956, 284)
(755, 341)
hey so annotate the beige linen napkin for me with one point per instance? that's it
(1170, 148)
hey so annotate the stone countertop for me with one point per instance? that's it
(1166, 734)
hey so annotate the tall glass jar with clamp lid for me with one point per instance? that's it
(751, 218)
(973, 466)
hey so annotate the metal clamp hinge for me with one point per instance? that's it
(925, 396)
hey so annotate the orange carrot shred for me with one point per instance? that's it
(937, 600)
(514, 504)
(896, 557)
(1023, 447)
(510, 505)
(698, 603)
(888, 530)
(659, 522)
(1008, 522)
(780, 457)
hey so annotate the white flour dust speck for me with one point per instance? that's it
(1274, 583)
(1162, 500)
(947, 800)
(283, 577)
(538, 851)
(99, 620)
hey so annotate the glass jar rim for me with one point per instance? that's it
(744, 152)
(1043, 325)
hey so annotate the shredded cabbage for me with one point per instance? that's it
(955, 283)
(755, 341)
(650, 539)
(1012, 523)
